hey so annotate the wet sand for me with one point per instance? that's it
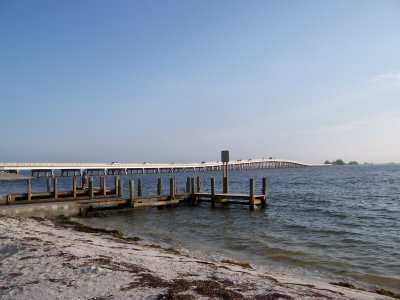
(39, 260)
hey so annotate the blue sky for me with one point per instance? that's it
(178, 81)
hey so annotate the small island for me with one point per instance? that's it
(340, 162)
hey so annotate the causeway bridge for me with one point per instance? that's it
(115, 168)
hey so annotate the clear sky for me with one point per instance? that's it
(179, 81)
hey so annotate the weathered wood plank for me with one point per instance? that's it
(229, 196)
(157, 203)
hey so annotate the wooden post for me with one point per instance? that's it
(121, 188)
(48, 184)
(225, 161)
(198, 184)
(175, 188)
(251, 193)
(103, 185)
(225, 185)
(187, 185)
(116, 179)
(192, 186)
(159, 186)
(74, 186)
(55, 187)
(172, 188)
(29, 188)
(91, 191)
(264, 192)
(139, 188)
(192, 190)
(131, 192)
(212, 192)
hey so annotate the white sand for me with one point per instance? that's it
(41, 261)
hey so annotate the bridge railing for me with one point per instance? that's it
(105, 166)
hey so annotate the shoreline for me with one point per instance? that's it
(43, 260)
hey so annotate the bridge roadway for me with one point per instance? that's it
(77, 169)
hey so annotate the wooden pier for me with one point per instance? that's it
(103, 197)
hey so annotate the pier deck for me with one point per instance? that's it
(157, 200)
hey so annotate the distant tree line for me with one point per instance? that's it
(340, 162)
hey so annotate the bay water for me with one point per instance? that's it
(333, 223)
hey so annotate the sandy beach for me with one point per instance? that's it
(39, 260)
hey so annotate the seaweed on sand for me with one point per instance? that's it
(68, 223)
(379, 291)
(243, 265)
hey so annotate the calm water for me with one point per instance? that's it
(335, 223)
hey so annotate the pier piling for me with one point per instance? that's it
(139, 188)
(116, 180)
(131, 192)
(103, 185)
(199, 183)
(225, 185)
(48, 184)
(91, 190)
(192, 188)
(74, 186)
(192, 191)
(188, 185)
(212, 192)
(121, 188)
(159, 186)
(29, 188)
(55, 187)
(264, 192)
(172, 188)
(252, 194)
